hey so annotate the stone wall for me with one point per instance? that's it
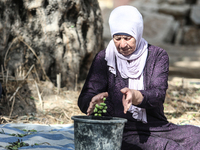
(165, 21)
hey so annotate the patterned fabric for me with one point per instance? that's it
(44, 137)
(158, 133)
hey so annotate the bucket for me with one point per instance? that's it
(98, 133)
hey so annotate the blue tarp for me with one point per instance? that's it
(49, 137)
(46, 137)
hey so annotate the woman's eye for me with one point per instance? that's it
(118, 38)
(127, 38)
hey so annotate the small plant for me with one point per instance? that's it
(16, 145)
(2, 132)
(18, 135)
(32, 98)
(22, 135)
(33, 130)
(99, 109)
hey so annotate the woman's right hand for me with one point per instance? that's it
(96, 100)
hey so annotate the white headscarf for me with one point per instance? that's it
(127, 19)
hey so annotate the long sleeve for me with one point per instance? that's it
(157, 69)
(96, 81)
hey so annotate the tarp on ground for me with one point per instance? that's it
(39, 137)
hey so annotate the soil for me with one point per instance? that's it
(182, 101)
(48, 105)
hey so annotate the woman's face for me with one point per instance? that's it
(125, 45)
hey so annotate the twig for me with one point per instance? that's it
(2, 73)
(61, 116)
(16, 75)
(76, 82)
(17, 79)
(39, 95)
(12, 107)
(53, 118)
(20, 70)
(66, 114)
(21, 98)
(58, 83)
(28, 72)
(14, 93)
(36, 74)
(7, 119)
(192, 112)
(7, 78)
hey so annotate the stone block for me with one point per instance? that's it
(176, 2)
(195, 14)
(145, 6)
(159, 27)
(175, 10)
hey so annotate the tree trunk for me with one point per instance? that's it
(57, 36)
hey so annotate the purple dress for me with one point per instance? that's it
(158, 133)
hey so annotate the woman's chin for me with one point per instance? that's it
(125, 53)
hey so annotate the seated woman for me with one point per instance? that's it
(133, 75)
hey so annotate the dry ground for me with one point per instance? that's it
(46, 106)
(182, 101)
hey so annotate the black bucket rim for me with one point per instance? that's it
(107, 120)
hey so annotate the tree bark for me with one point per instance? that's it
(57, 36)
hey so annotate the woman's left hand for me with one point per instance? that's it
(130, 97)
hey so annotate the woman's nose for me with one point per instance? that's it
(123, 43)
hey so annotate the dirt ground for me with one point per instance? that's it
(183, 101)
(42, 103)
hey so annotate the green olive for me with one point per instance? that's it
(95, 109)
(103, 104)
(104, 111)
(99, 112)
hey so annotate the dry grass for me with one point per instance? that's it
(182, 101)
(181, 104)
(56, 108)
